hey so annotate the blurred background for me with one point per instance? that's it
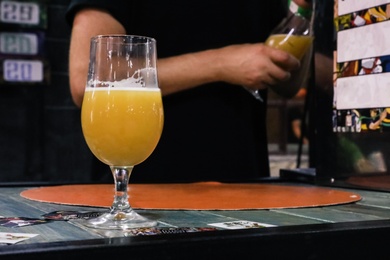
(40, 131)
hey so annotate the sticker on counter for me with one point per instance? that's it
(67, 215)
(240, 224)
(13, 238)
(20, 221)
(166, 230)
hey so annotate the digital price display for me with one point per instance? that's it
(23, 13)
(23, 70)
(19, 43)
(19, 12)
(22, 40)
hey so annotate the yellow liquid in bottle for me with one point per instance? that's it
(296, 45)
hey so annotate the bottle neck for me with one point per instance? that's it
(296, 9)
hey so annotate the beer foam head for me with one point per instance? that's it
(143, 78)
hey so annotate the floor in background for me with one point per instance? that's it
(286, 160)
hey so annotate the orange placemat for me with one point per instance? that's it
(195, 196)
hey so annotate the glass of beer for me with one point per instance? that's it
(122, 116)
(293, 35)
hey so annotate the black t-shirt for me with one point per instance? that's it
(212, 132)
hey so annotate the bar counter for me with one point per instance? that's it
(359, 230)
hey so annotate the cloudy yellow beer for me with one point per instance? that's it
(122, 126)
(296, 45)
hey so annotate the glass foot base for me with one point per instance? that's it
(119, 220)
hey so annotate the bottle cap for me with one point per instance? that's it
(294, 8)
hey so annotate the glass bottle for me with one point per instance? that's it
(294, 35)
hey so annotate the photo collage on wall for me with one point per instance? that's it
(362, 66)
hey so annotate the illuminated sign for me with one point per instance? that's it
(23, 70)
(18, 43)
(28, 14)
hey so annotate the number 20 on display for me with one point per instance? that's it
(22, 71)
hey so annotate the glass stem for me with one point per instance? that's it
(121, 179)
(255, 94)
